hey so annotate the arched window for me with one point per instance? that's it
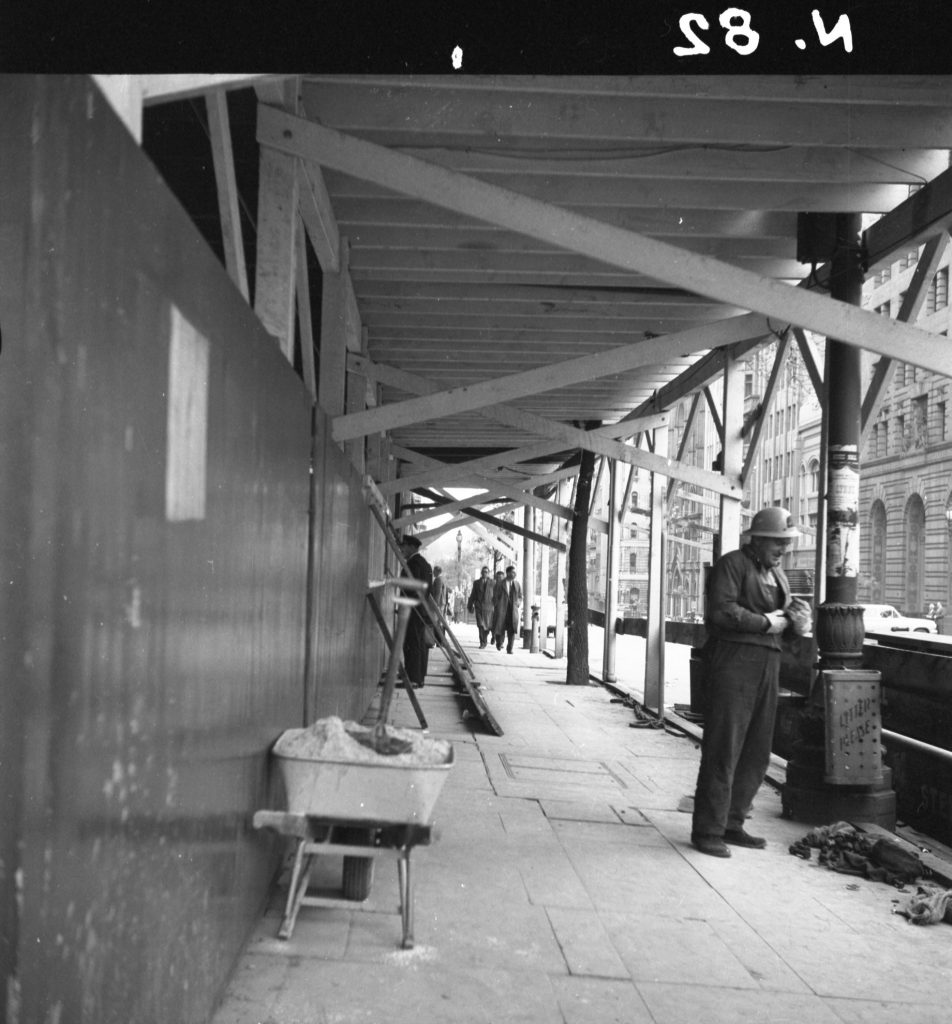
(877, 558)
(914, 535)
(815, 476)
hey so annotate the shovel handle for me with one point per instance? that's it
(404, 608)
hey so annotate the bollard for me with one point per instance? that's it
(534, 630)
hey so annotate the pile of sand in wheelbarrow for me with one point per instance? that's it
(333, 739)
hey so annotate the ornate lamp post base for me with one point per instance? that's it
(836, 772)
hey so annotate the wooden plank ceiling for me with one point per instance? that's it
(498, 232)
(719, 167)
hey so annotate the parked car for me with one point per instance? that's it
(884, 618)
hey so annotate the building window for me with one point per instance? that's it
(914, 530)
(901, 433)
(940, 421)
(814, 476)
(920, 422)
(883, 448)
(632, 561)
(877, 568)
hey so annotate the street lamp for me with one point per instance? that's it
(459, 558)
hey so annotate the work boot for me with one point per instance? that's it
(738, 837)
(713, 846)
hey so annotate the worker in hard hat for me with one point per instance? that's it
(748, 607)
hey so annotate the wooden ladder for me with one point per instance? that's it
(460, 664)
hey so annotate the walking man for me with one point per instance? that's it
(507, 602)
(481, 604)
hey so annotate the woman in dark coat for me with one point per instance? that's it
(416, 654)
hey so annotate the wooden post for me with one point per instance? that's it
(544, 588)
(560, 569)
(732, 419)
(611, 574)
(654, 652)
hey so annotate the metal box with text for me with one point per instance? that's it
(853, 699)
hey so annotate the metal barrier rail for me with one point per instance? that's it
(910, 744)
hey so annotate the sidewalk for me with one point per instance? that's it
(562, 889)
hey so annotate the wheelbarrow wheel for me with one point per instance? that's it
(358, 874)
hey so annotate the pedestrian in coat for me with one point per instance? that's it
(748, 608)
(507, 603)
(438, 588)
(480, 603)
(416, 652)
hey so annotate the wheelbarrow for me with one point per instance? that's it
(377, 806)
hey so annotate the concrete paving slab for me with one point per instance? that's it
(682, 950)
(603, 833)
(864, 1011)
(578, 810)
(415, 985)
(560, 853)
(712, 1004)
(585, 944)
(600, 1001)
(256, 986)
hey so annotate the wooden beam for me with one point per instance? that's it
(318, 216)
(925, 213)
(163, 88)
(753, 449)
(630, 251)
(910, 309)
(682, 446)
(219, 130)
(124, 95)
(277, 252)
(332, 378)
(660, 111)
(808, 164)
(733, 450)
(715, 413)
(598, 440)
(808, 355)
(509, 527)
(305, 323)
(548, 378)
(502, 493)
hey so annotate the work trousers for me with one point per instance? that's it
(416, 654)
(508, 632)
(741, 685)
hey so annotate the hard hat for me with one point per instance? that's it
(773, 522)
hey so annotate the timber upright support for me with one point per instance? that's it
(836, 771)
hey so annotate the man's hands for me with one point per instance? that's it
(778, 622)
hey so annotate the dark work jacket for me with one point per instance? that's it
(738, 600)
